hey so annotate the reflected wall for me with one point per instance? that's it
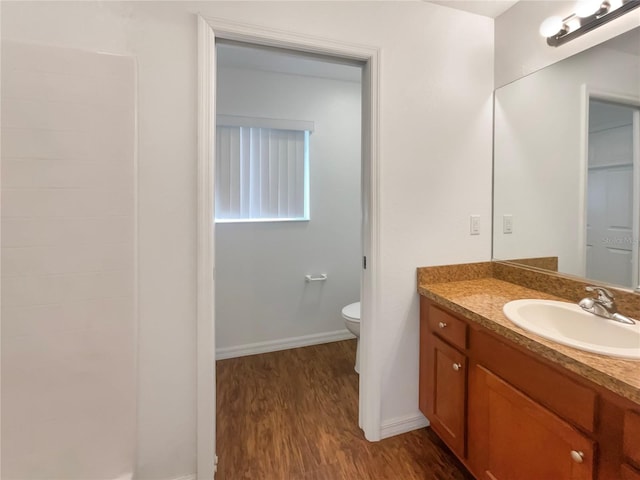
(541, 152)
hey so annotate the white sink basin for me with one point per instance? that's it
(568, 324)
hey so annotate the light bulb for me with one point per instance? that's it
(550, 26)
(586, 8)
(573, 24)
(614, 4)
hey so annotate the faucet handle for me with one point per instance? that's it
(605, 297)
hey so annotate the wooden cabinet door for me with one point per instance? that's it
(515, 438)
(631, 435)
(443, 397)
(629, 473)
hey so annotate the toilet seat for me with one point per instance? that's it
(352, 312)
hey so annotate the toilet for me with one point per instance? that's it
(351, 315)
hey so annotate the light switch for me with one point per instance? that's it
(475, 225)
(507, 224)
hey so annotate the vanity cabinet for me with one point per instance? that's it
(507, 413)
(520, 439)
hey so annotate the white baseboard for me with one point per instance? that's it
(125, 476)
(129, 476)
(399, 425)
(283, 344)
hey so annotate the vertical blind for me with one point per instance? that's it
(261, 173)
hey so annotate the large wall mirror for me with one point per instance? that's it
(567, 165)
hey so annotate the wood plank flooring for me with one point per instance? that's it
(293, 415)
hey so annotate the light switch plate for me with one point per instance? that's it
(474, 225)
(507, 224)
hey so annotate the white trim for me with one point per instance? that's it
(399, 425)
(260, 220)
(582, 181)
(259, 35)
(636, 201)
(263, 122)
(205, 340)
(371, 369)
(136, 269)
(185, 477)
(370, 398)
(283, 344)
(626, 99)
(125, 476)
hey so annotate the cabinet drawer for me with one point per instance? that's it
(448, 327)
(631, 435)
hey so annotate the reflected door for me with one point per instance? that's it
(610, 202)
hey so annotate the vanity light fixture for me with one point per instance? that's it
(589, 15)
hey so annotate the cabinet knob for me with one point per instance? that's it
(577, 456)
(457, 366)
(442, 324)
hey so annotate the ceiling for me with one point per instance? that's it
(486, 8)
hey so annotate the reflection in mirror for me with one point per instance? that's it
(567, 165)
(612, 215)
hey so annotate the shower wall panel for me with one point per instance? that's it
(68, 263)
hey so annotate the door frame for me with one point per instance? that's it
(636, 196)
(210, 29)
(632, 101)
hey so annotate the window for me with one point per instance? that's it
(261, 169)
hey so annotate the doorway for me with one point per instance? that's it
(209, 30)
(613, 213)
(288, 213)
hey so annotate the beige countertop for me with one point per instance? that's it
(481, 301)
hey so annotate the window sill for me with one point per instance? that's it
(259, 220)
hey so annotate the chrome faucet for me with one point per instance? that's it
(603, 305)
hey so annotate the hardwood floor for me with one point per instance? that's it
(293, 415)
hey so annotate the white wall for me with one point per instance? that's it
(261, 293)
(68, 266)
(435, 140)
(521, 50)
(435, 124)
(164, 45)
(539, 165)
